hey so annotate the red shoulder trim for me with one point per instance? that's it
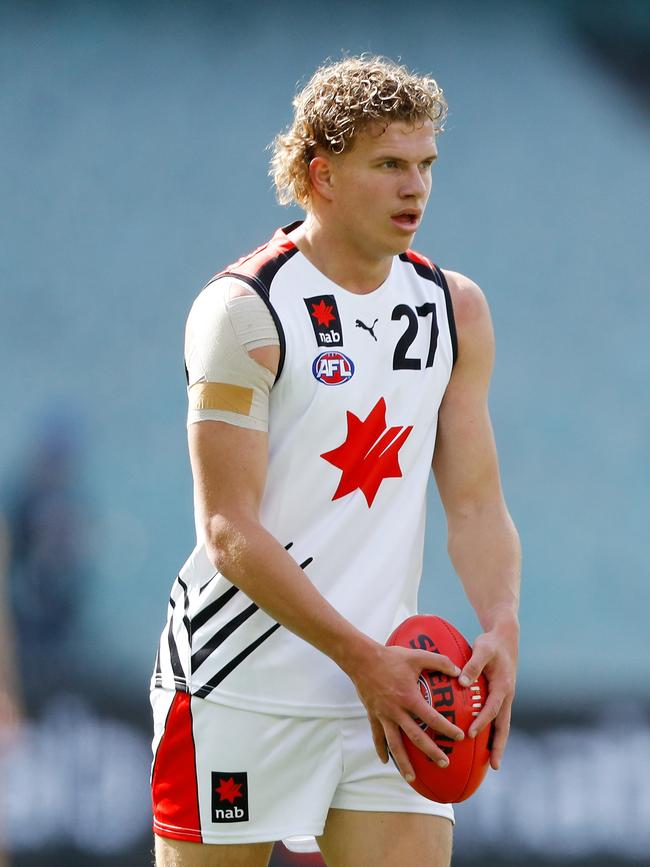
(419, 258)
(251, 264)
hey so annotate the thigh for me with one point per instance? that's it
(354, 838)
(179, 853)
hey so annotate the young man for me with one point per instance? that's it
(327, 371)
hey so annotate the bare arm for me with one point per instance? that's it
(229, 467)
(482, 539)
(229, 464)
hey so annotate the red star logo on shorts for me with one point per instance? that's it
(322, 313)
(229, 790)
(369, 454)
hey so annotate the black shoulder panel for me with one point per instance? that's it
(432, 272)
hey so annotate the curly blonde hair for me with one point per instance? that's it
(339, 101)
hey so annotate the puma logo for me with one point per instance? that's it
(370, 328)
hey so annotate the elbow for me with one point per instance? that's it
(223, 542)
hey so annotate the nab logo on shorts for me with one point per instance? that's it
(229, 796)
(333, 368)
(325, 320)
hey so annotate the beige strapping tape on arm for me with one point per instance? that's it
(226, 384)
(252, 322)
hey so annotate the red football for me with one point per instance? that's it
(468, 759)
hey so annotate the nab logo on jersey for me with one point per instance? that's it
(325, 320)
(333, 368)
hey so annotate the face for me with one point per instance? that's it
(378, 190)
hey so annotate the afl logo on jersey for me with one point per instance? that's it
(333, 368)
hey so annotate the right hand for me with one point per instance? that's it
(387, 684)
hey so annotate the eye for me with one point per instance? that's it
(389, 164)
(426, 164)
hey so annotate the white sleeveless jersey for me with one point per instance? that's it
(352, 428)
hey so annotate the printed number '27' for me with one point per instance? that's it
(400, 359)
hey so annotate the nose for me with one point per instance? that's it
(413, 183)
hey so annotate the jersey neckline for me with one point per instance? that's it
(282, 234)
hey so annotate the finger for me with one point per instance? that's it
(474, 666)
(426, 659)
(490, 711)
(423, 742)
(436, 721)
(501, 733)
(398, 752)
(379, 739)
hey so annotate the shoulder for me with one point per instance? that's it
(215, 294)
(470, 303)
(472, 319)
(263, 263)
(229, 316)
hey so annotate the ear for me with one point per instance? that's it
(321, 176)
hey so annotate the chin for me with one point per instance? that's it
(402, 245)
(393, 244)
(401, 242)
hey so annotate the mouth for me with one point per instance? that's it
(407, 220)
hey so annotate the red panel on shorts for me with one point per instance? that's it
(174, 786)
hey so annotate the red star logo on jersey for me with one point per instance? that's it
(229, 790)
(322, 313)
(369, 454)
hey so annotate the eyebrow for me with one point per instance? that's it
(389, 156)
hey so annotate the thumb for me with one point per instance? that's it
(474, 666)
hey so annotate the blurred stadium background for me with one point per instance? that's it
(134, 167)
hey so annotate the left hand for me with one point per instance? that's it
(494, 654)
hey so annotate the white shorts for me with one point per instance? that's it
(223, 775)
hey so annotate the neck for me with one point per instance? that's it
(341, 259)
